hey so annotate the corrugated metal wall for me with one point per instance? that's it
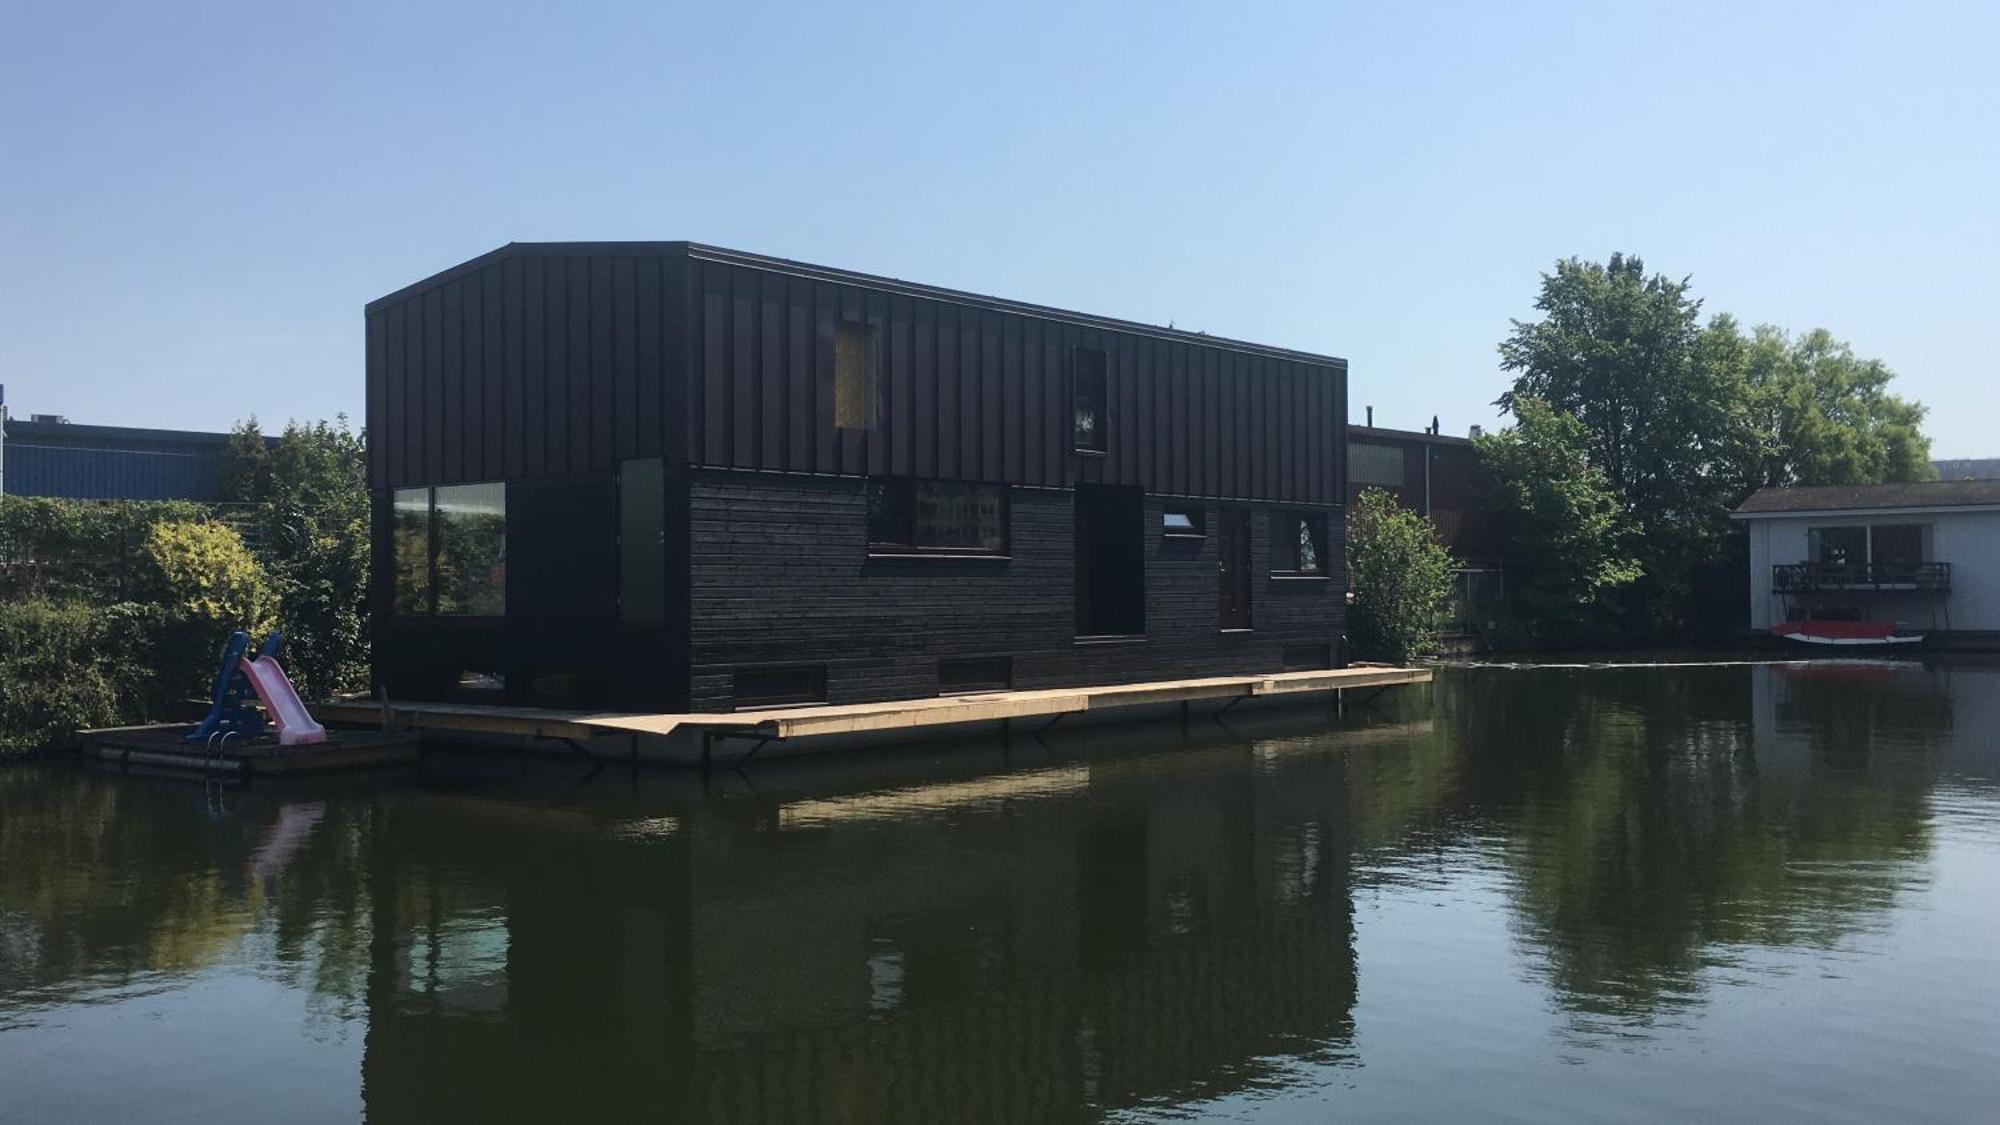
(101, 463)
(561, 359)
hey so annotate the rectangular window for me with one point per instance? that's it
(470, 527)
(1838, 546)
(1298, 544)
(1183, 523)
(976, 673)
(855, 361)
(450, 548)
(1090, 399)
(1369, 463)
(1897, 544)
(777, 687)
(1232, 569)
(936, 517)
(1110, 561)
(411, 544)
(642, 542)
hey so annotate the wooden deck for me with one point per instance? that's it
(159, 745)
(816, 721)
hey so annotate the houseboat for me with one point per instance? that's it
(670, 477)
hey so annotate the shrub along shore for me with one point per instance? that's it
(115, 612)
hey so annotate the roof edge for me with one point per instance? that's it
(703, 252)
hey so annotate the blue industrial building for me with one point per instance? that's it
(46, 455)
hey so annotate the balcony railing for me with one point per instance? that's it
(1928, 577)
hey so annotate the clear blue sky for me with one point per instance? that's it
(197, 199)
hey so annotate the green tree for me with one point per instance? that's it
(1827, 416)
(309, 498)
(1565, 548)
(1402, 579)
(246, 464)
(1664, 404)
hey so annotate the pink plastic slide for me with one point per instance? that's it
(274, 691)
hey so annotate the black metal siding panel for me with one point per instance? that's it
(564, 362)
(376, 409)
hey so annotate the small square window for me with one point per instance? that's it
(1298, 544)
(1090, 399)
(1183, 523)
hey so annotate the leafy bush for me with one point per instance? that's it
(114, 612)
(204, 584)
(63, 667)
(1402, 579)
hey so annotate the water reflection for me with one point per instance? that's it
(1048, 933)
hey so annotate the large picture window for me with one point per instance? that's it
(1298, 544)
(936, 517)
(451, 550)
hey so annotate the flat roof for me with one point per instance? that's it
(19, 428)
(1381, 433)
(701, 252)
(1871, 497)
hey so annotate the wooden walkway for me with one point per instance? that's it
(819, 720)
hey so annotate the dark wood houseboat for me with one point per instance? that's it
(673, 477)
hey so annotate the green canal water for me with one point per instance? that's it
(1722, 893)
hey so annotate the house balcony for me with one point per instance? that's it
(1805, 578)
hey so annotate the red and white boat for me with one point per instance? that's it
(1846, 634)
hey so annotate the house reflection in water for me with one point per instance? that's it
(1037, 943)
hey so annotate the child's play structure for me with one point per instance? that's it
(240, 675)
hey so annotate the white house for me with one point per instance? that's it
(1925, 554)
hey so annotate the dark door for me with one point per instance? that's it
(1232, 569)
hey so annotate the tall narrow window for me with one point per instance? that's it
(1090, 399)
(1232, 569)
(642, 542)
(471, 532)
(1298, 544)
(412, 550)
(854, 363)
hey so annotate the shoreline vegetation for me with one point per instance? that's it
(1635, 429)
(113, 612)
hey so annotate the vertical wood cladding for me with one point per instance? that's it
(779, 574)
(567, 358)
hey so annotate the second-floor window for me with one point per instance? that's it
(1090, 399)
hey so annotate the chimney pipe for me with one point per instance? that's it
(1371, 418)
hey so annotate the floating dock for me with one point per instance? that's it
(159, 745)
(693, 736)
